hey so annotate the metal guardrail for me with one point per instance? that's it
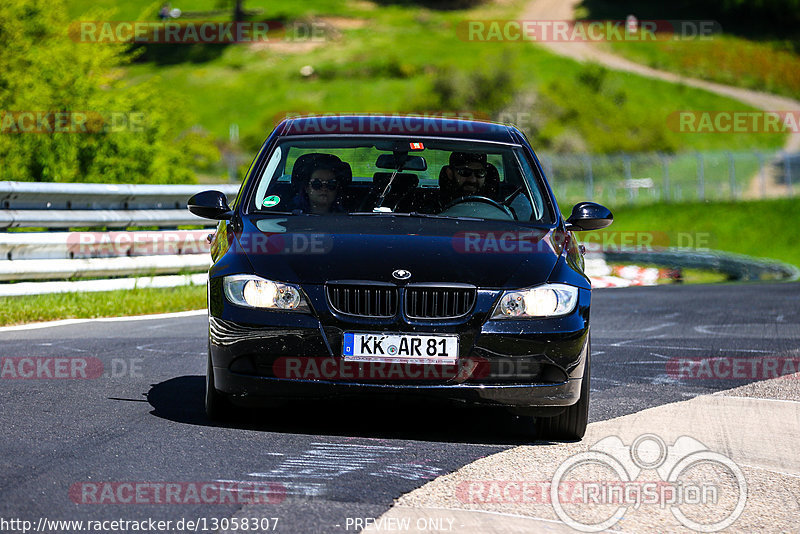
(79, 245)
(98, 218)
(57, 205)
(736, 266)
(57, 255)
(74, 196)
(37, 288)
(97, 267)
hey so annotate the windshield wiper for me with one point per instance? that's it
(438, 216)
(275, 213)
(416, 214)
(401, 159)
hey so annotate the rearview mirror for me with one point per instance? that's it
(210, 205)
(589, 216)
(410, 163)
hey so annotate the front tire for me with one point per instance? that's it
(218, 408)
(571, 423)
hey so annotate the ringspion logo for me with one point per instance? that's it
(704, 490)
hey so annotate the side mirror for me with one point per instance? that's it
(589, 216)
(210, 205)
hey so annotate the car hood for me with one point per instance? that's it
(313, 249)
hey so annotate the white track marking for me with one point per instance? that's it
(671, 347)
(784, 473)
(659, 362)
(722, 394)
(66, 322)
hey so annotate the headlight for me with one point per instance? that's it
(255, 292)
(548, 300)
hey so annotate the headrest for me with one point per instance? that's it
(459, 159)
(404, 180)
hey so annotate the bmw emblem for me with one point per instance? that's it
(402, 274)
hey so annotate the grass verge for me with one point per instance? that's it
(36, 308)
(764, 66)
(759, 228)
(404, 58)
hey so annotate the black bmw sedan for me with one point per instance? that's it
(379, 255)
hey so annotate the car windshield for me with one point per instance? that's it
(403, 176)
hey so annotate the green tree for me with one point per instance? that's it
(134, 134)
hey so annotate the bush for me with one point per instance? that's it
(483, 91)
(133, 133)
(588, 111)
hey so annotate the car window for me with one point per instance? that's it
(435, 177)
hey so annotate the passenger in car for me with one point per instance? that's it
(319, 180)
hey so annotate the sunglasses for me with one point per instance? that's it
(467, 171)
(330, 185)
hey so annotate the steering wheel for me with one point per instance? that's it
(481, 199)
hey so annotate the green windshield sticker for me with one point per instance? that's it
(271, 201)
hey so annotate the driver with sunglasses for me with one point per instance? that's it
(464, 176)
(319, 179)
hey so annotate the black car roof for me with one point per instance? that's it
(409, 125)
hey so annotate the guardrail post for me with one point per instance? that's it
(762, 175)
(665, 171)
(589, 178)
(626, 162)
(787, 172)
(233, 135)
(701, 177)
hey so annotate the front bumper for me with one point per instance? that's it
(532, 363)
(247, 390)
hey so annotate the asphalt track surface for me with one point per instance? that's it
(142, 420)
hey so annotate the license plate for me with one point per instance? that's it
(400, 348)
